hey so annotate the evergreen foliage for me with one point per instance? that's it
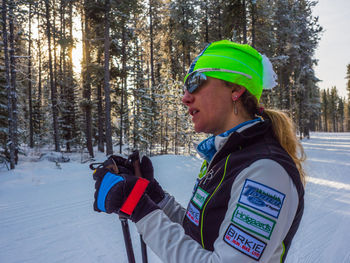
(150, 46)
(333, 111)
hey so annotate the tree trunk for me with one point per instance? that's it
(13, 79)
(55, 58)
(31, 130)
(62, 63)
(109, 146)
(100, 143)
(176, 133)
(123, 88)
(62, 75)
(342, 123)
(8, 86)
(253, 23)
(100, 137)
(135, 105)
(52, 84)
(166, 134)
(70, 94)
(39, 97)
(152, 72)
(220, 21)
(244, 22)
(300, 124)
(206, 22)
(87, 81)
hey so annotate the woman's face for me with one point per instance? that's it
(211, 107)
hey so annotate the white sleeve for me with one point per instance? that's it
(168, 240)
(172, 208)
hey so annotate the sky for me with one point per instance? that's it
(333, 51)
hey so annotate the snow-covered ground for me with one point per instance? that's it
(46, 213)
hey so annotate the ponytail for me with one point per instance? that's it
(284, 130)
(282, 126)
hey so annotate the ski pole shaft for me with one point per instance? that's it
(127, 240)
(136, 163)
(143, 250)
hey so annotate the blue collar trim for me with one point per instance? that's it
(207, 147)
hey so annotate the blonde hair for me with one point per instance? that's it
(284, 130)
(282, 126)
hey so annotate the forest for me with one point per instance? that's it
(107, 75)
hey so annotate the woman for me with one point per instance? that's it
(248, 200)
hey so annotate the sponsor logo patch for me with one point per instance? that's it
(193, 214)
(199, 197)
(244, 242)
(203, 170)
(195, 186)
(253, 221)
(262, 198)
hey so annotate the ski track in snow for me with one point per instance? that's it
(46, 213)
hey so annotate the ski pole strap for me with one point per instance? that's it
(135, 196)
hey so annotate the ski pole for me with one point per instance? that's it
(125, 226)
(135, 158)
(127, 240)
(143, 250)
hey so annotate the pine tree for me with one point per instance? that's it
(66, 76)
(11, 126)
(348, 82)
(341, 114)
(348, 99)
(265, 40)
(30, 100)
(333, 105)
(99, 101)
(86, 104)
(109, 146)
(324, 107)
(38, 119)
(52, 82)
(13, 74)
(146, 53)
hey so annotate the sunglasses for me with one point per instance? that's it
(197, 78)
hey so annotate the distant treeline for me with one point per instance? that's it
(335, 110)
(134, 57)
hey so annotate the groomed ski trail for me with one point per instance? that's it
(46, 213)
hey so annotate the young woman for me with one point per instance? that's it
(248, 200)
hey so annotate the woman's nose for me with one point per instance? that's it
(187, 98)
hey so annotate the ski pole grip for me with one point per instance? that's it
(137, 168)
(135, 159)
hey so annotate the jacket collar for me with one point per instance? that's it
(210, 146)
(243, 138)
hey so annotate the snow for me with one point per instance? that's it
(46, 210)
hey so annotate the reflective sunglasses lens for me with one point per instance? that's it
(195, 81)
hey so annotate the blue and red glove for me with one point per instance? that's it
(121, 192)
(154, 190)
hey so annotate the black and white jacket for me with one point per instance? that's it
(246, 208)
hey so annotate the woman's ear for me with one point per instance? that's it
(237, 93)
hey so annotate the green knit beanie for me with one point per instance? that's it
(228, 55)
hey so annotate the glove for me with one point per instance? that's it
(154, 190)
(121, 193)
